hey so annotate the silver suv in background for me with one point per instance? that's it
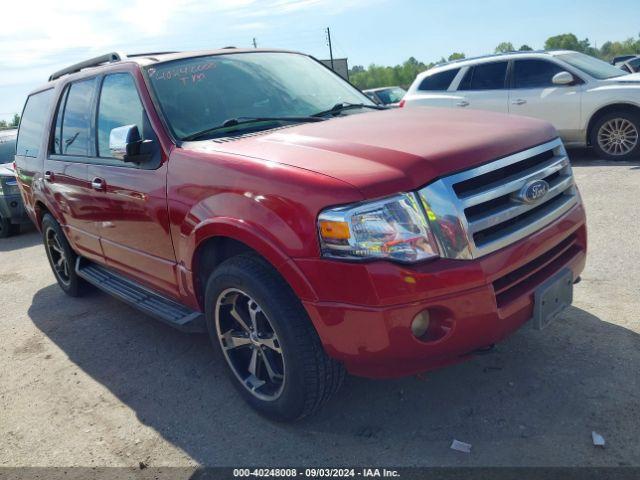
(590, 102)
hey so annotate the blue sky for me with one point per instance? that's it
(38, 37)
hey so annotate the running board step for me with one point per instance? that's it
(140, 297)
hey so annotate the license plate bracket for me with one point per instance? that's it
(552, 297)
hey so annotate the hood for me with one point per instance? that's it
(630, 78)
(385, 152)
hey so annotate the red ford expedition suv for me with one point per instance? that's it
(257, 196)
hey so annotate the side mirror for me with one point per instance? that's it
(562, 78)
(125, 144)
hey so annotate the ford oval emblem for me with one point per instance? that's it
(532, 191)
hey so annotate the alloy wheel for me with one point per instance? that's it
(58, 257)
(250, 344)
(618, 136)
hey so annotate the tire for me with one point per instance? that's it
(6, 229)
(62, 258)
(247, 284)
(616, 136)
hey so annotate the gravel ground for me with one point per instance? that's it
(91, 382)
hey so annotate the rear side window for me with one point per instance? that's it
(438, 81)
(485, 76)
(73, 132)
(32, 125)
(119, 106)
(534, 73)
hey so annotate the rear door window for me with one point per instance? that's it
(438, 81)
(534, 73)
(75, 129)
(32, 124)
(485, 76)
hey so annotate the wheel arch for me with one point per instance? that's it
(612, 107)
(40, 211)
(218, 241)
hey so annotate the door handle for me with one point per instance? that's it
(48, 176)
(519, 101)
(462, 103)
(98, 184)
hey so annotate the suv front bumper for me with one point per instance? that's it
(365, 310)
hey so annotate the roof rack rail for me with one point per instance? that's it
(489, 55)
(92, 62)
(150, 54)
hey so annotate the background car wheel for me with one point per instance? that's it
(6, 229)
(274, 355)
(61, 257)
(616, 136)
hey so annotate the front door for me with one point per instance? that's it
(131, 213)
(533, 94)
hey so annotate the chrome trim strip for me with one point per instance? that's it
(515, 209)
(501, 189)
(505, 161)
(530, 228)
(446, 210)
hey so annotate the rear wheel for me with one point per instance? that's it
(274, 355)
(616, 136)
(61, 257)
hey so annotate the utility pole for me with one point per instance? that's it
(330, 49)
(255, 45)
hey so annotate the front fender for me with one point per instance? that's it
(258, 238)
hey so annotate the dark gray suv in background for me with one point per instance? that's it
(12, 212)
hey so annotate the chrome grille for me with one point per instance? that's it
(475, 212)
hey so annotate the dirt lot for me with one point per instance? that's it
(92, 382)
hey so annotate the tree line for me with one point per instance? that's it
(403, 75)
(13, 123)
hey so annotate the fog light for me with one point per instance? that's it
(420, 324)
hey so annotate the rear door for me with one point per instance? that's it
(66, 183)
(131, 213)
(30, 147)
(483, 87)
(533, 94)
(433, 90)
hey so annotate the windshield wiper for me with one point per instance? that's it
(233, 122)
(340, 107)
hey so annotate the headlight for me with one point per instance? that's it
(394, 228)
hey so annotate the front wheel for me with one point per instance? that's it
(274, 355)
(616, 136)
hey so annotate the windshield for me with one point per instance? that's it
(199, 93)
(591, 66)
(391, 95)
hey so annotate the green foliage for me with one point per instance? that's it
(505, 47)
(613, 49)
(525, 48)
(13, 123)
(378, 76)
(403, 75)
(568, 41)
